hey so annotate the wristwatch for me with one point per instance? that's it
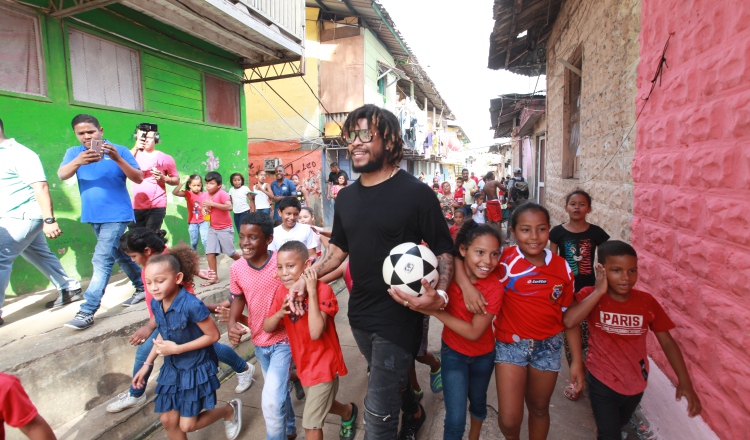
(443, 295)
(50, 220)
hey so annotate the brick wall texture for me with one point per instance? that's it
(607, 32)
(691, 172)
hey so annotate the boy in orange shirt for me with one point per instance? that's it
(314, 342)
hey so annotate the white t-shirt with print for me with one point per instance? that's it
(299, 232)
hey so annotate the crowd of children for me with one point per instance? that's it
(507, 311)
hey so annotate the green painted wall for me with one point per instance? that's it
(374, 52)
(172, 72)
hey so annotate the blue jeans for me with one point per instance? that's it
(25, 237)
(196, 229)
(276, 401)
(106, 253)
(464, 377)
(266, 211)
(238, 220)
(389, 389)
(225, 354)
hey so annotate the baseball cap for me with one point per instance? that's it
(517, 171)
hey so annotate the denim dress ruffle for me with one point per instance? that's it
(187, 382)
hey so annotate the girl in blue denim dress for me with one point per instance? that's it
(187, 380)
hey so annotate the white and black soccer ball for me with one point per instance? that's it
(407, 264)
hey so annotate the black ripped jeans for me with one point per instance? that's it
(389, 388)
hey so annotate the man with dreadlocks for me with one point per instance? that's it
(385, 207)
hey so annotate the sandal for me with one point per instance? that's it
(570, 392)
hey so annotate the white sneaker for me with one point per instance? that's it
(245, 379)
(125, 401)
(233, 426)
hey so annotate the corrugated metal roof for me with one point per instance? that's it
(526, 55)
(373, 16)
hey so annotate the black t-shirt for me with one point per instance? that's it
(579, 250)
(367, 223)
(333, 178)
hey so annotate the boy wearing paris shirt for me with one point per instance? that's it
(619, 318)
(314, 341)
(217, 208)
(17, 411)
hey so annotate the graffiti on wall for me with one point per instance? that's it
(302, 163)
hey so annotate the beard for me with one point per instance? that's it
(377, 162)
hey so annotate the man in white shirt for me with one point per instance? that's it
(470, 190)
(26, 217)
(290, 229)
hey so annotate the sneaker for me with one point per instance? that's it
(125, 401)
(410, 426)
(419, 395)
(299, 392)
(81, 321)
(436, 380)
(348, 427)
(232, 427)
(137, 297)
(65, 297)
(245, 379)
(1, 320)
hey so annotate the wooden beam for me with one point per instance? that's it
(83, 7)
(570, 67)
(511, 34)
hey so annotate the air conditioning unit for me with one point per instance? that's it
(271, 164)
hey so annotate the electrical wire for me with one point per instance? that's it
(658, 75)
(274, 109)
(321, 102)
(317, 128)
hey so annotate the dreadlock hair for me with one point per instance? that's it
(387, 127)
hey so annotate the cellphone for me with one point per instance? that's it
(96, 145)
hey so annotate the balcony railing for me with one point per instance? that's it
(289, 15)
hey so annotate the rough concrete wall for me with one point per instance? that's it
(608, 33)
(692, 194)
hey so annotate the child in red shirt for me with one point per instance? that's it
(17, 411)
(468, 348)
(539, 286)
(458, 221)
(619, 318)
(314, 342)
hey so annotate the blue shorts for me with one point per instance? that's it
(542, 355)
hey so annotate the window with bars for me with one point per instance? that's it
(22, 66)
(222, 101)
(104, 72)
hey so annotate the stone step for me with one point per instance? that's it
(71, 375)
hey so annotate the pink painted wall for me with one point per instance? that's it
(691, 205)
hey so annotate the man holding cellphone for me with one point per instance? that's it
(105, 204)
(150, 196)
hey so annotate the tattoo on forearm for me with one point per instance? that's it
(445, 271)
(327, 262)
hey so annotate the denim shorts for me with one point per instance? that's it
(543, 355)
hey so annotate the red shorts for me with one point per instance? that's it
(494, 210)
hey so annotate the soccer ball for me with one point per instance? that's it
(407, 264)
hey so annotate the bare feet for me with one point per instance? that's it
(210, 282)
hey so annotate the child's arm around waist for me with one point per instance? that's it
(470, 330)
(577, 312)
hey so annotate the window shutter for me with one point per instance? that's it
(22, 65)
(104, 72)
(222, 101)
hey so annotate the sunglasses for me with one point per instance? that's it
(364, 135)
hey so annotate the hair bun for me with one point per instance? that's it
(161, 233)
